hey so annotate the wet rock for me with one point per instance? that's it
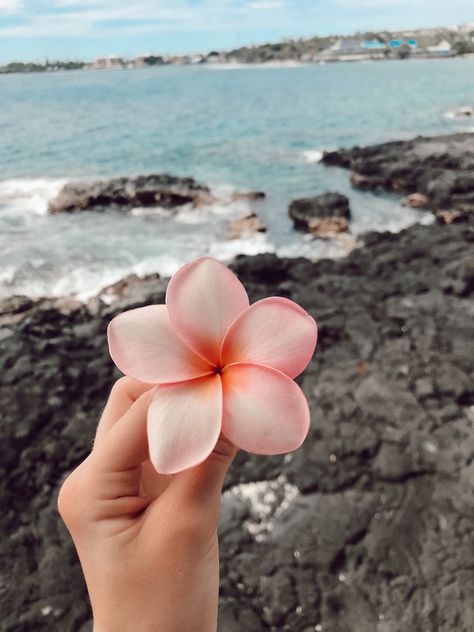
(130, 290)
(440, 168)
(323, 215)
(249, 195)
(246, 225)
(125, 193)
(449, 216)
(416, 200)
(458, 276)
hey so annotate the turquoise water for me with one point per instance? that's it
(244, 128)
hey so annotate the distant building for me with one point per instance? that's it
(111, 62)
(346, 47)
(142, 60)
(373, 45)
(443, 48)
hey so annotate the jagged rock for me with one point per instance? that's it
(441, 168)
(125, 193)
(367, 527)
(246, 225)
(416, 200)
(249, 195)
(323, 215)
(169, 192)
(448, 216)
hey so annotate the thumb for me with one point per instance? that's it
(203, 483)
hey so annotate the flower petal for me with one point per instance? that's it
(265, 412)
(203, 299)
(144, 346)
(275, 332)
(184, 423)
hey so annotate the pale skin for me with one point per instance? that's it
(147, 542)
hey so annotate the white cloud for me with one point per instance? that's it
(266, 4)
(69, 18)
(122, 18)
(10, 6)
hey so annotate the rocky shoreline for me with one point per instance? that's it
(367, 528)
(439, 170)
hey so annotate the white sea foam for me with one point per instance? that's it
(35, 269)
(29, 195)
(150, 211)
(463, 113)
(253, 244)
(312, 155)
(225, 206)
(84, 282)
(7, 274)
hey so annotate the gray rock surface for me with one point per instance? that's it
(440, 168)
(124, 193)
(246, 225)
(323, 214)
(367, 528)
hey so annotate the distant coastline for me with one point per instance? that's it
(434, 43)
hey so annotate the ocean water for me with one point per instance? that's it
(234, 129)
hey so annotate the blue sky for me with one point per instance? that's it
(84, 29)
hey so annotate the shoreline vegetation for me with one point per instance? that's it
(431, 43)
(366, 524)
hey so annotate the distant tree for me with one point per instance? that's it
(463, 47)
(404, 51)
(153, 60)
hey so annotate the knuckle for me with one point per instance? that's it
(196, 525)
(69, 497)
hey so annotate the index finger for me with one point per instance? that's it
(124, 393)
(125, 445)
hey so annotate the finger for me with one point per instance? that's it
(124, 392)
(203, 483)
(125, 445)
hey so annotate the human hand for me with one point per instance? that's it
(147, 542)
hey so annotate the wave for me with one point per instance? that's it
(312, 155)
(463, 113)
(83, 281)
(28, 195)
(255, 244)
(48, 262)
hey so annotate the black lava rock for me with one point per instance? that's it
(440, 169)
(368, 526)
(326, 213)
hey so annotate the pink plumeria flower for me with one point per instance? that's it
(219, 364)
